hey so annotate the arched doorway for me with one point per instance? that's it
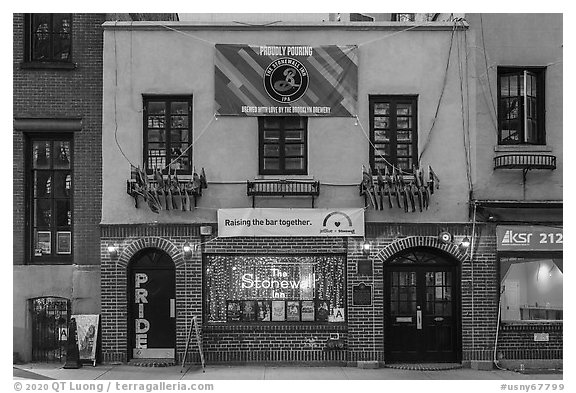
(422, 307)
(151, 305)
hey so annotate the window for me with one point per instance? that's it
(48, 37)
(357, 17)
(393, 132)
(532, 289)
(168, 133)
(50, 196)
(303, 288)
(283, 145)
(521, 106)
(403, 17)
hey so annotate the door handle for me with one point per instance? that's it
(172, 308)
(419, 319)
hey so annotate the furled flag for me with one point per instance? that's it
(433, 180)
(203, 181)
(160, 187)
(176, 193)
(396, 182)
(368, 185)
(196, 182)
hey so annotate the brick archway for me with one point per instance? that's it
(151, 242)
(420, 241)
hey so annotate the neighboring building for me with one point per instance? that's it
(516, 109)
(57, 176)
(244, 256)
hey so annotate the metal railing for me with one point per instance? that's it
(525, 161)
(283, 188)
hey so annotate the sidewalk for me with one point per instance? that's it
(33, 371)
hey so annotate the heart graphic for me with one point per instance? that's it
(337, 223)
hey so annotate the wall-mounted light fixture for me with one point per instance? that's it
(113, 250)
(445, 237)
(465, 243)
(187, 249)
(366, 247)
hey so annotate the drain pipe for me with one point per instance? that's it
(495, 359)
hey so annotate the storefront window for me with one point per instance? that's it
(531, 289)
(274, 288)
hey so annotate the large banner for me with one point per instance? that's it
(280, 80)
(528, 238)
(290, 222)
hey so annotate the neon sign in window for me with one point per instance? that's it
(274, 288)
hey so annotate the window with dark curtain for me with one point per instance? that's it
(168, 134)
(50, 196)
(48, 37)
(283, 145)
(393, 132)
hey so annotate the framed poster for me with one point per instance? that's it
(263, 310)
(322, 310)
(293, 310)
(337, 315)
(87, 333)
(307, 310)
(248, 310)
(64, 242)
(278, 310)
(233, 311)
(44, 242)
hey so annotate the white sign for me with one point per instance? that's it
(290, 222)
(87, 332)
(545, 337)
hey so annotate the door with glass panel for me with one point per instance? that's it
(421, 316)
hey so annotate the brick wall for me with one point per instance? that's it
(478, 322)
(363, 332)
(517, 341)
(239, 343)
(77, 93)
(131, 239)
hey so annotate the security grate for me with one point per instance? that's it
(50, 318)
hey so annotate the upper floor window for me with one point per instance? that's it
(48, 37)
(49, 180)
(168, 133)
(393, 132)
(283, 145)
(403, 17)
(521, 106)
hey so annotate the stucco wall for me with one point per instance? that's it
(79, 284)
(163, 61)
(517, 40)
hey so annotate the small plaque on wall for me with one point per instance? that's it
(362, 295)
(364, 267)
(541, 337)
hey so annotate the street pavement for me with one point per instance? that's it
(45, 371)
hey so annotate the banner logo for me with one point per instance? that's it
(516, 238)
(529, 238)
(286, 80)
(337, 223)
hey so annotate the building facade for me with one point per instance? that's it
(329, 191)
(224, 147)
(518, 181)
(57, 175)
